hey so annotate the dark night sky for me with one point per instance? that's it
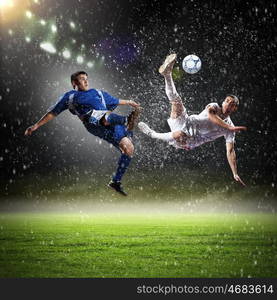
(236, 41)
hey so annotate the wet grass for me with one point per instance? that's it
(138, 245)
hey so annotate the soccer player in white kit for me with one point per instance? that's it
(189, 132)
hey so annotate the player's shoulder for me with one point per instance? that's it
(68, 94)
(64, 98)
(91, 92)
(213, 105)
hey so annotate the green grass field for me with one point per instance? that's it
(138, 245)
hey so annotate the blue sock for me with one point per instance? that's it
(115, 119)
(123, 164)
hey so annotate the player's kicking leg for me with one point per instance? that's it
(177, 107)
(178, 111)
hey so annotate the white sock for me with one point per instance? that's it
(170, 88)
(167, 136)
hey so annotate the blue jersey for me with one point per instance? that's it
(82, 102)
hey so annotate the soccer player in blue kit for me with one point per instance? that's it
(94, 108)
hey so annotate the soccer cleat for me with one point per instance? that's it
(145, 129)
(167, 66)
(132, 118)
(116, 185)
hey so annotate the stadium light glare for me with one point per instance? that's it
(28, 14)
(48, 47)
(11, 10)
(80, 59)
(66, 54)
(54, 28)
(6, 3)
(90, 64)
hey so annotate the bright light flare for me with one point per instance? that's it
(66, 54)
(12, 10)
(6, 3)
(80, 59)
(28, 14)
(48, 47)
(54, 28)
(72, 25)
(90, 64)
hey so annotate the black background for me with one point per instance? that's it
(236, 41)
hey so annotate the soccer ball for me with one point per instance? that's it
(191, 64)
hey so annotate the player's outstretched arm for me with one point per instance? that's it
(46, 118)
(231, 156)
(128, 102)
(213, 117)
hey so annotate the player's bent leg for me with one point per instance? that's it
(133, 118)
(117, 136)
(114, 119)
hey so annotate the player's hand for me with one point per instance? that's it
(30, 130)
(237, 128)
(133, 104)
(237, 178)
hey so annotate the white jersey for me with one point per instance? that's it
(200, 129)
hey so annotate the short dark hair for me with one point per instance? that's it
(75, 75)
(235, 98)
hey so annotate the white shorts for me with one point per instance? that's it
(98, 114)
(176, 125)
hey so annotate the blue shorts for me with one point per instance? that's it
(111, 134)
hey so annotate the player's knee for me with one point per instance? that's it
(129, 150)
(127, 146)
